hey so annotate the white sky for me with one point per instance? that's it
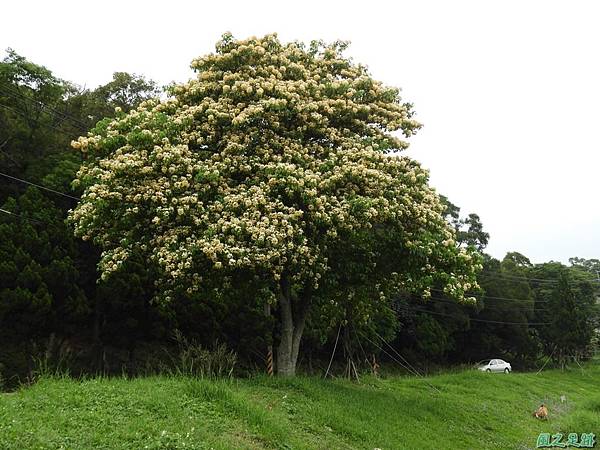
(509, 92)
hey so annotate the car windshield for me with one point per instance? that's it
(485, 362)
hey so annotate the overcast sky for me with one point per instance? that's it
(508, 92)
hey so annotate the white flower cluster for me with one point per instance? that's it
(265, 161)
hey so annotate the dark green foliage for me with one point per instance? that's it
(39, 271)
(125, 91)
(570, 308)
(431, 338)
(469, 230)
(47, 277)
(508, 301)
(588, 265)
(39, 289)
(34, 120)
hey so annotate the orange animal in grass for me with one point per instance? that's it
(541, 412)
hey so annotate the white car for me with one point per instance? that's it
(494, 365)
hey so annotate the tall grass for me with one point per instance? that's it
(194, 360)
(54, 360)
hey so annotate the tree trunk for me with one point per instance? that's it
(293, 312)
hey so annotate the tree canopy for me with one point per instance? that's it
(270, 161)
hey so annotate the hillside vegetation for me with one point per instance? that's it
(467, 410)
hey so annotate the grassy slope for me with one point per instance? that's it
(471, 411)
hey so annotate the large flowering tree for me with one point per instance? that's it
(267, 167)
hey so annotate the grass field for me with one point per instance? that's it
(471, 411)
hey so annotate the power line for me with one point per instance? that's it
(360, 344)
(550, 281)
(48, 125)
(515, 307)
(486, 307)
(483, 320)
(499, 298)
(391, 356)
(14, 92)
(401, 357)
(514, 299)
(406, 366)
(334, 349)
(411, 371)
(57, 115)
(508, 277)
(40, 186)
(20, 217)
